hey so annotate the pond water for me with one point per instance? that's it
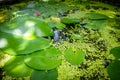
(63, 40)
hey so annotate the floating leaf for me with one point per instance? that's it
(15, 67)
(98, 24)
(116, 52)
(27, 26)
(114, 70)
(13, 45)
(98, 16)
(70, 20)
(44, 75)
(77, 36)
(74, 57)
(44, 60)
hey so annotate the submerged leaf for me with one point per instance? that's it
(44, 60)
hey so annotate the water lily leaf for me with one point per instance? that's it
(44, 60)
(27, 26)
(77, 37)
(14, 45)
(74, 57)
(56, 25)
(116, 52)
(98, 24)
(44, 75)
(98, 16)
(15, 67)
(114, 70)
(70, 20)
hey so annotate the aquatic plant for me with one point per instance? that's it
(83, 53)
(31, 50)
(96, 16)
(44, 75)
(26, 32)
(23, 39)
(74, 56)
(113, 68)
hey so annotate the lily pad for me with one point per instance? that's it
(70, 20)
(13, 45)
(96, 16)
(116, 52)
(98, 24)
(74, 57)
(44, 75)
(15, 67)
(44, 60)
(27, 26)
(114, 70)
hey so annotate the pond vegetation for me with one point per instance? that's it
(60, 40)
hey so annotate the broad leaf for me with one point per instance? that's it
(74, 57)
(116, 52)
(27, 26)
(15, 45)
(44, 60)
(98, 24)
(96, 16)
(15, 67)
(114, 70)
(44, 75)
(70, 20)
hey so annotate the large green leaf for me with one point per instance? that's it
(70, 20)
(15, 45)
(94, 16)
(74, 57)
(116, 52)
(114, 70)
(44, 60)
(15, 67)
(44, 75)
(98, 24)
(27, 26)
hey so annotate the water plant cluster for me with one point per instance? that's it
(60, 40)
